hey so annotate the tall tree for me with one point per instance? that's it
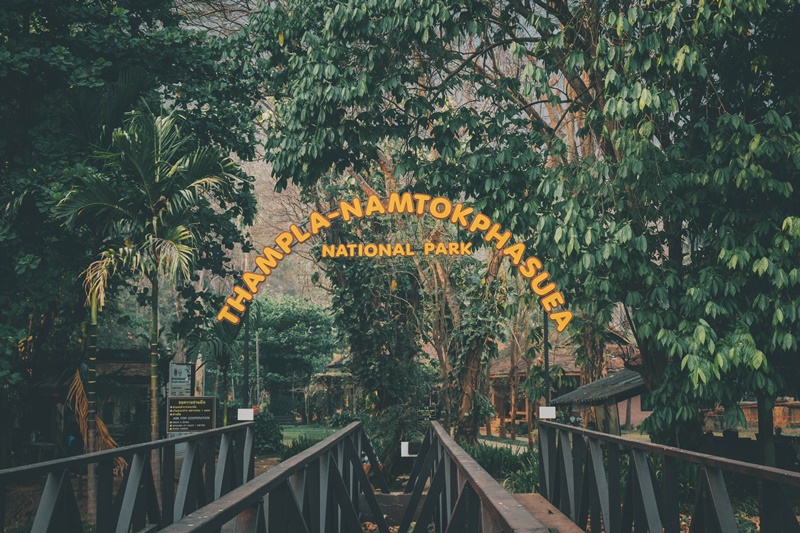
(296, 340)
(674, 194)
(156, 200)
(59, 63)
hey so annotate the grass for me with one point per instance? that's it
(314, 432)
(504, 441)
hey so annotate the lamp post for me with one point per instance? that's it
(546, 359)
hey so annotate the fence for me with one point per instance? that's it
(462, 497)
(583, 472)
(316, 490)
(213, 463)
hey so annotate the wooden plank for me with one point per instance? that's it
(646, 489)
(375, 465)
(58, 508)
(372, 503)
(417, 466)
(547, 513)
(167, 485)
(466, 517)
(426, 514)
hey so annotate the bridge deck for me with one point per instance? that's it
(547, 513)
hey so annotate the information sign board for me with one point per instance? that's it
(180, 379)
(189, 414)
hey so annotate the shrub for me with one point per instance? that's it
(300, 444)
(268, 434)
(526, 478)
(340, 420)
(518, 472)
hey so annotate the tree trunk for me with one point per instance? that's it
(225, 396)
(766, 430)
(470, 380)
(529, 416)
(502, 415)
(513, 394)
(155, 458)
(468, 422)
(91, 422)
(593, 348)
(628, 414)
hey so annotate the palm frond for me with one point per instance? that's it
(96, 201)
(96, 277)
(174, 252)
(76, 398)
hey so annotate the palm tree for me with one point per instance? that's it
(147, 203)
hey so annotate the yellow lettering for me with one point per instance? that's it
(421, 199)
(349, 211)
(341, 251)
(317, 222)
(480, 223)
(562, 318)
(225, 314)
(385, 250)
(241, 297)
(441, 208)
(399, 250)
(401, 204)
(465, 248)
(269, 260)
(536, 284)
(441, 249)
(370, 250)
(284, 242)
(428, 248)
(460, 215)
(300, 236)
(351, 250)
(452, 248)
(252, 280)
(494, 234)
(551, 301)
(328, 250)
(515, 252)
(409, 251)
(374, 205)
(530, 268)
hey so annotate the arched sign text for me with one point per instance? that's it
(530, 267)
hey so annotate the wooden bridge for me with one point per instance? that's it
(589, 481)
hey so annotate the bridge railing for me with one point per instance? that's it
(316, 490)
(462, 497)
(213, 463)
(629, 485)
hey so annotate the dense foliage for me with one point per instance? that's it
(649, 150)
(296, 340)
(267, 436)
(69, 72)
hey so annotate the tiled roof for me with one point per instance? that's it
(620, 386)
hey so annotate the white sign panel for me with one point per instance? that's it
(245, 414)
(547, 412)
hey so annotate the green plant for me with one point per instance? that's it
(518, 472)
(340, 420)
(300, 444)
(268, 435)
(526, 478)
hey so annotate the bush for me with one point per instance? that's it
(268, 434)
(300, 444)
(340, 420)
(518, 472)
